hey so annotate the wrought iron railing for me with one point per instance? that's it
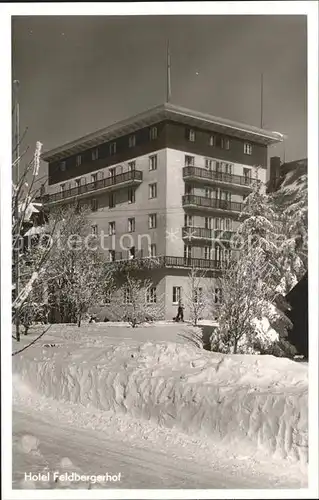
(116, 180)
(204, 202)
(190, 232)
(203, 173)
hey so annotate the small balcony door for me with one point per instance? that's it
(247, 176)
(112, 174)
(187, 252)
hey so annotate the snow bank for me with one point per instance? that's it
(256, 403)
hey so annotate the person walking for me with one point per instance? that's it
(180, 311)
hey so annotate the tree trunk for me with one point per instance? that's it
(79, 319)
(235, 346)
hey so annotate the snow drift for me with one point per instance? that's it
(247, 402)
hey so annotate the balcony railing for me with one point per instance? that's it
(213, 203)
(166, 261)
(109, 183)
(204, 233)
(213, 175)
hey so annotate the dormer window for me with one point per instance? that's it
(248, 148)
(63, 165)
(212, 140)
(224, 143)
(190, 134)
(153, 133)
(113, 148)
(78, 160)
(95, 154)
(131, 141)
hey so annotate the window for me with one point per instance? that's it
(94, 230)
(187, 251)
(77, 182)
(112, 172)
(152, 250)
(224, 143)
(62, 187)
(112, 255)
(113, 148)
(209, 164)
(93, 177)
(208, 193)
(188, 220)
(95, 154)
(177, 294)
(111, 228)
(112, 200)
(131, 141)
(153, 162)
(152, 190)
(131, 195)
(153, 133)
(131, 166)
(78, 160)
(152, 221)
(62, 166)
(228, 167)
(218, 295)
(208, 222)
(151, 295)
(247, 175)
(190, 134)
(127, 296)
(198, 295)
(94, 205)
(189, 161)
(248, 149)
(211, 140)
(206, 252)
(131, 225)
(108, 296)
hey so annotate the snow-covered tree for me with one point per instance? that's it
(196, 294)
(27, 212)
(290, 203)
(77, 273)
(136, 301)
(244, 298)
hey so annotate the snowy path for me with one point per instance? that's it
(146, 456)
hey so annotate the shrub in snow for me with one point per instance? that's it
(136, 302)
(196, 295)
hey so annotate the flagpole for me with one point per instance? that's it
(261, 100)
(168, 76)
(16, 208)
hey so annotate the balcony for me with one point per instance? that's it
(165, 261)
(127, 179)
(211, 204)
(218, 178)
(202, 233)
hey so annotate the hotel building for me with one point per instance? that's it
(165, 186)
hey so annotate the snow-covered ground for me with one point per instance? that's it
(239, 413)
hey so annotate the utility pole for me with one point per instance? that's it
(168, 81)
(16, 155)
(261, 100)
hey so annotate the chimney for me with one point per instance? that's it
(274, 174)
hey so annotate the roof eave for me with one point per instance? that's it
(154, 115)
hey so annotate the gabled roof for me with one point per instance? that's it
(159, 113)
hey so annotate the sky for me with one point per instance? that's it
(79, 74)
